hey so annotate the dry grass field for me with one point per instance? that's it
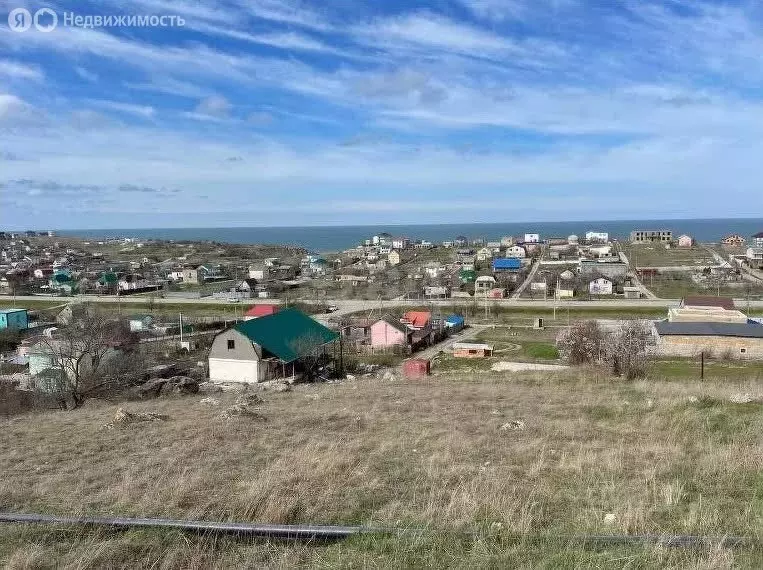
(657, 456)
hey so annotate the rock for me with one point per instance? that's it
(249, 400)
(609, 518)
(513, 425)
(152, 388)
(209, 388)
(350, 377)
(241, 411)
(693, 399)
(233, 387)
(185, 386)
(123, 417)
(281, 387)
(210, 401)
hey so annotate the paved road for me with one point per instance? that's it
(530, 276)
(350, 306)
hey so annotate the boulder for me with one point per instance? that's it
(123, 417)
(209, 388)
(210, 401)
(513, 425)
(152, 388)
(249, 400)
(182, 386)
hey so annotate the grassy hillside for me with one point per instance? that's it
(657, 457)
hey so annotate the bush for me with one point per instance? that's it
(582, 343)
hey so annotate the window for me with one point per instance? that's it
(231, 344)
(742, 350)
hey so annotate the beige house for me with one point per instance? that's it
(394, 257)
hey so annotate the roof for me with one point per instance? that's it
(708, 301)
(288, 334)
(261, 310)
(417, 318)
(471, 346)
(710, 329)
(8, 311)
(507, 263)
(454, 319)
(393, 323)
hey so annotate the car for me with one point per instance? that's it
(332, 308)
(234, 300)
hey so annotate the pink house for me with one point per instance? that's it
(685, 241)
(388, 332)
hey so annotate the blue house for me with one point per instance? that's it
(454, 323)
(507, 264)
(13, 319)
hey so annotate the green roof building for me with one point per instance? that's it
(268, 347)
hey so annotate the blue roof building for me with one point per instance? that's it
(15, 319)
(507, 264)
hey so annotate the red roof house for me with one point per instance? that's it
(257, 311)
(417, 319)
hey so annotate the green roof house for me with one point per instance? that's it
(266, 348)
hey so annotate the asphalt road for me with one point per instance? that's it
(350, 306)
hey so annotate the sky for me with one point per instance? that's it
(280, 113)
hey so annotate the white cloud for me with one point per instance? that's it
(16, 70)
(214, 106)
(145, 111)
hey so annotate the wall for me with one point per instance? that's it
(717, 346)
(240, 364)
(384, 334)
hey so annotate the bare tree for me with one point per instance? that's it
(626, 349)
(309, 351)
(79, 355)
(582, 343)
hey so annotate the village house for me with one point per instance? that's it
(685, 241)
(510, 264)
(507, 241)
(630, 292)
(260, 271)
(483, 284)
(600, 286)
(261, 310)
(733, 240)
(394, 257)
(484, 254)
(400, 243)
(436, 292)
(194, 274)
(472, 350)
(754, 257)
(267, 348)
(757, 240)
(433, 269)
(596, 237)
(246, 285)
(517, 251)
(351, 278)
(539, 285)
(573, 239)
(532, 238)
(388, 332)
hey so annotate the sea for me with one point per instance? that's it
(337, 238)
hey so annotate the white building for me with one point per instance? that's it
(600, 286)
(598, 237)
(532, 238)
(516, 251)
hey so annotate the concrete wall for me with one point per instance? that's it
(717, 346)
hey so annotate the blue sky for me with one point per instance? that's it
(274, 112)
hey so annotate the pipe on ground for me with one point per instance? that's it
(330, 533)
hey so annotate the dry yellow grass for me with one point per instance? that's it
(662, 457)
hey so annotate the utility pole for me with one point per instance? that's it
(181, 329)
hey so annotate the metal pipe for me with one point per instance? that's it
(310, 532)
(297, 532)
